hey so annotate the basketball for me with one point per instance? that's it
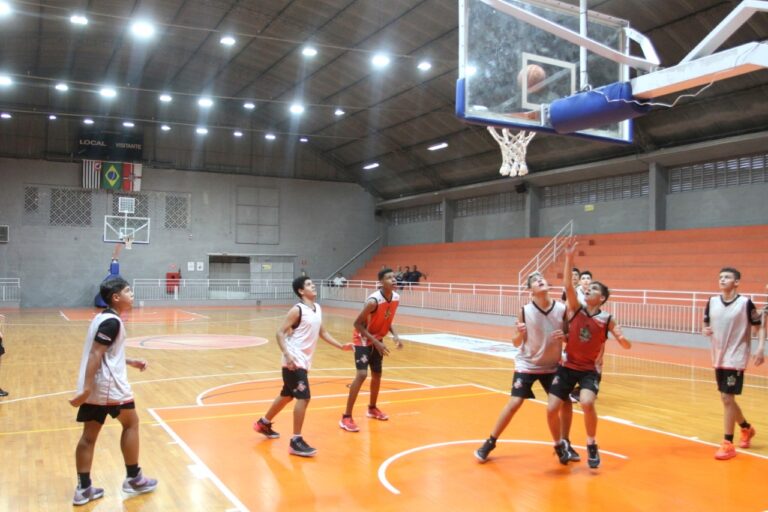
(535, 75)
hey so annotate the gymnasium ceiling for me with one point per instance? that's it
(391, 115)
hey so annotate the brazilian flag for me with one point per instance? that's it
(112, 175)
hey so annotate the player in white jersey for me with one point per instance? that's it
(103, 388)
(729, 321)
(540, 338)
(297, 339)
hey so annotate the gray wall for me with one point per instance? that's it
(430, 232)
(322, 223)
(490, 227)
(607, 217)
(731, 206)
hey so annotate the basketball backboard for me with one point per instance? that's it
(117, 228)
(496, 49)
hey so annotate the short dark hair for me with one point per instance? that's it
(576, 269)
(736, 273)
(298, 284)
(585, 273)
(110, 286)
(384, 272)
(604, 291)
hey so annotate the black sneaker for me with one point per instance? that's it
(561, 450)
(262, 427)
(3, 392)
(481, 453)
(593, 456)
(573, 454)
(301, 448)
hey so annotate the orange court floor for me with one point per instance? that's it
(213, 371)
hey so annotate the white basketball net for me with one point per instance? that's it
(513, 150)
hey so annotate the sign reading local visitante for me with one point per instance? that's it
(110, 145)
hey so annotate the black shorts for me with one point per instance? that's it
(368, 356)
(295, 384)
(729, 382)
(567, 379)
(523, 382)
(91, 412)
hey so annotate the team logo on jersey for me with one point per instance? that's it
(518, 383)
(387, 313)
(731, 381)
(363, 359)
(584, 335)
(301, 386)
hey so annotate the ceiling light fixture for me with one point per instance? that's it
(338, 112)
(205, 102)
(107, 92)
(303, 139)
(380, 60)
(78, 19)
(227, 40)
(238, 133)
(142, 29)
(128, 124)
(201, 131)
(88, 121)
(436, 147)
(6, 115)
(165, 128)
(371, 166)
(52, 117)
(249, 105)
(61, 86)
(270, 136)
(165, 98)
(297, 108)
(5, 80)
(309, 51)
(425, 65)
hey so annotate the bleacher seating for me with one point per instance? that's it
(649, 260)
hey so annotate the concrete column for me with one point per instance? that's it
(657, 197)
(532, 206)
(449, 209)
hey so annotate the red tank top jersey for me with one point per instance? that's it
(586, 340)
(379, 322)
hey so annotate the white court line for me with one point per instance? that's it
(65, 316)
(195, 314)
(199, 399)
(203, 467)
(641, 427)
(382, 473)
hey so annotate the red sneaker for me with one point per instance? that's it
(348, 424)
(375, 413)
(746, 437)
(726, 451)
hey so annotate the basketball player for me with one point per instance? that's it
(2, 351)
(103, 388)
(587, 332)
(297, 339)
(730, 320)
(371, 325)
(540, 337)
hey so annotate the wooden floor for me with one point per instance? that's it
(213, 371)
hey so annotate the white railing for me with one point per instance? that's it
(10, 289)
(547, 255)
(211, 289)
(676, 311)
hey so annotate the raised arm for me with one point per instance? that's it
(618, 334)
(570, 292)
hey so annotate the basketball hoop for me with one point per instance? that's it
(513, 150)
(128, 241)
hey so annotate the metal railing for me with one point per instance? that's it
(547, 255)
(664, 310)
(356, 256)
(10, 289)
(212, 289)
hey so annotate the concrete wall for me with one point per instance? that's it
(322, 223)
(606, 217)
(415, 233)
(731, 206)
(490, 227)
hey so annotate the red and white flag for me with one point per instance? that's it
(91, 174)
(132, 177)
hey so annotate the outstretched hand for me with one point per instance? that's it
(570, 245)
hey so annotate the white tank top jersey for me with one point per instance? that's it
(302, 342)
(539, 353)
(731, 324)
(111, 381)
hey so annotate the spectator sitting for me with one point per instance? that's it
(406, 278)
(339, 280)
(399, 277)
(415, 276)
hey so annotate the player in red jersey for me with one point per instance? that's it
(588, 328)
(371, 325)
